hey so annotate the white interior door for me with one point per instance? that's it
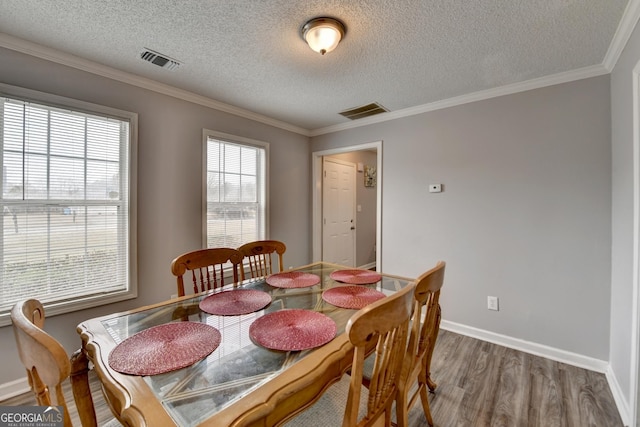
(338, 212)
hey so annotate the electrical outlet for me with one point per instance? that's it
(492, 303)
(174, 296)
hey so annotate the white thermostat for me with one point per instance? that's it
(435, 188)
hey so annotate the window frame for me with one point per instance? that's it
(56, 101)
(238, 140)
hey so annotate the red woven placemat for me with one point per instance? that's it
(164, 348)
(353, 297)
(292, 330)
(235, 302)
(293, 279)
(356, 276)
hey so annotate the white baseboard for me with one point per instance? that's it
(552, 353)
(529, 347)
(14, 388)
(618, 396)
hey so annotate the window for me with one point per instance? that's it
(235, 190)
(66, 202)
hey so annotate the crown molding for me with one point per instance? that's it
(82, 64)
(627, 24)
(567, 76)
(623, 33)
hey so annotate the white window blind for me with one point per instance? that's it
(235, 192)
(65, 202)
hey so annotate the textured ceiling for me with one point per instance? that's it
(399, 53)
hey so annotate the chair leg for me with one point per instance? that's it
(402, 407)
(425, 405)
(431, 384)
(59, 396)
(423, 385)
(429, 355)
(39, 388)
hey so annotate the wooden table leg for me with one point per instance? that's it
(81, 389)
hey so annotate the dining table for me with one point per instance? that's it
(231, 368)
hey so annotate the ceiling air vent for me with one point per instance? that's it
(364, 111)
(159, 59)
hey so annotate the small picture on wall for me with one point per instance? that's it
(369, 176)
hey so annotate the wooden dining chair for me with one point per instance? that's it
(48, 364)
(422, 340)
(258, 257)
(207, 267)
(385, 326)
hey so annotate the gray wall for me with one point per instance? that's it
(366, 197)
(169, 182)
(622, 213)
(525, 214)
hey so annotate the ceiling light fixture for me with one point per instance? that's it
(323, 34)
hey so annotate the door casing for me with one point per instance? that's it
(316, 191)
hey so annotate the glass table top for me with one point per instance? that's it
(192, 394)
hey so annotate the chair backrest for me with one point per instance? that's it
(422, 341)
(384, 323)
(44, 358)
(257, 256)
(207, 268)
(427, 301)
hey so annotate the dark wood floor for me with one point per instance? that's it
(482, 384)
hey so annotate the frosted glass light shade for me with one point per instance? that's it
(323, 34)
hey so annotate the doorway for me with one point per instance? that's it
(317, 217)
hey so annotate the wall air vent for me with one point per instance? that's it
(364, 111)
(159, 59)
